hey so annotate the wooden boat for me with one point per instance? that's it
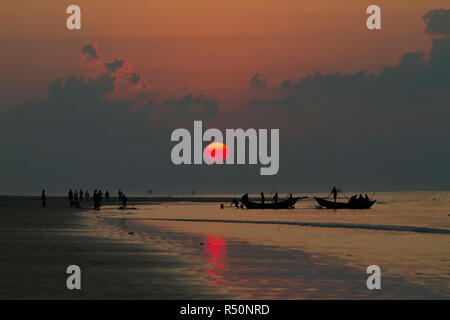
(342, 205)
(283, 204)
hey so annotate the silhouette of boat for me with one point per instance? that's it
(345, 205)
(283, 204)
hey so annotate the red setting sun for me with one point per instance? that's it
(216, 152)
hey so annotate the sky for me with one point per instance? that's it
(213, 47)
(94, 108)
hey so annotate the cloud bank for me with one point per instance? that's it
(437, 23)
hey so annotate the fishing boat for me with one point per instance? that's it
(283, 204)
(345, 205)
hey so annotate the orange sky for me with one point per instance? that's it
(213, 47)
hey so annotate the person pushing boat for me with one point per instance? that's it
(275, 198)
(334, 193)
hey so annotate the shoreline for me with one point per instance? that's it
(221, 197)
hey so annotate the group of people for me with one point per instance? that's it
(275, 197)
(98, 198)
(360, 199)
(353, 199)
(75, 197)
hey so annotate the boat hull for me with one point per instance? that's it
(340, 205)
(284, 204)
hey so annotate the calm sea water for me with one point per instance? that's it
(306, 252)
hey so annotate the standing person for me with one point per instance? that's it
(124, 201)
(70, 196)
(334, 193)
(86, 195)
(99, 199)
(120, 194)
(107, 195)
(290, 198)
(275, 198)
(75, 199)
(44, 198)
(95, 199)
(81, 195)
(262, 197)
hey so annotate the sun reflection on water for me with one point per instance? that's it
(215, 255)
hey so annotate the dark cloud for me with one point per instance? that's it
(410, 83)
(76, 88)
(115, 65)
(438, 23)
(190, 106)
(89, 52)
(440, 63)
(258, 80)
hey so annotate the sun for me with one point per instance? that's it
(216, 152)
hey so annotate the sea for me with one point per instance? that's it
(306, 252)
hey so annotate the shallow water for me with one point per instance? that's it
(307, 252)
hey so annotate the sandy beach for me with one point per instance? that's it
(38, 244)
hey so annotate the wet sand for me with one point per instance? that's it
(38, 244)
(305, 252)
(249, 269)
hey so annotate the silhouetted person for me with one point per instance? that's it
(275, 198)
(86, 195)
(353, 199)
(360, 198)
(44, 198)
(107, 195)
(95, 198)
(262, 197)
(70, 196)
(124, 201)
(120, 194)
(75, 199)
(366, 198)
(81, 195)
(334, 193)
(235, 203)
(290, 198)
